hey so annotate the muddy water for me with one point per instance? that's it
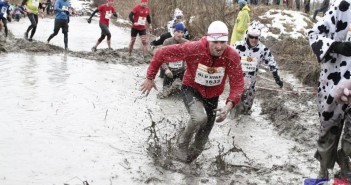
(64, 117)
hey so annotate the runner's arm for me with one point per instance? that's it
(92, 15)
(236, 81)
(148, 18)
(131, 17)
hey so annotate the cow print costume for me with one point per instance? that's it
(262, 55)
(334, 68)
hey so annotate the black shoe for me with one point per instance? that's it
(93, 49)
(30, 39)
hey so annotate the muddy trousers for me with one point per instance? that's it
(33, 18)
(202, 117)
(328, 143)
(61, 24)
(246, 100)
(4, 21)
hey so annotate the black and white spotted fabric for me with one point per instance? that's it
(334, 67)
(263, 56)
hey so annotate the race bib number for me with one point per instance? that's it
(108, 15)
(248, 64)
(35, 3)
(209, 76)
(142, 21)
(65, 8)
(176, 65)
(3, 10)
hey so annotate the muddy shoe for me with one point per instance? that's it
(30, 39)
(93, 49)
(164, 93)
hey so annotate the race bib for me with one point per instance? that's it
(108, 15)
(3, 10)
(35, 3)
(348, 36)
(248, 66)
(209, 76)
(142, 21)
(65, 8)
(176, 65)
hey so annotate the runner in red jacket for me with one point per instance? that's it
(106, 12)
(209, 62)
(139, 16)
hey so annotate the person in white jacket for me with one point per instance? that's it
(253, 53)
(328, 39)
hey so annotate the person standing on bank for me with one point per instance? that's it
(323, 8)
(106, 12)
(209, 62)
(241, 23)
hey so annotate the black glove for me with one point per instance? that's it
(89, 20)
(66, 12)
(277, 79)
(342, 48)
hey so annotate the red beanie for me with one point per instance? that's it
(144, 1)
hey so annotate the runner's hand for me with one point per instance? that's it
(136, 24)
(147, 86)
(150, 27)
(169, 73)
(223, 112)
(343, 92)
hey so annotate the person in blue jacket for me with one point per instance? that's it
(62, 8)
(4, 12)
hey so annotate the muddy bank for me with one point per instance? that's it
(116, 56)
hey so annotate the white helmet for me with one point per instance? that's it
(255, 28)
(217, 31)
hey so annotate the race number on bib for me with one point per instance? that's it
(65, 8)
(176, 65)
(248, 64)
(3, 10)
(35, 3)
(209, 76)
(108, 15)
(142, 21)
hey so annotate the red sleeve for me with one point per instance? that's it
(171, 53)
(236, 80)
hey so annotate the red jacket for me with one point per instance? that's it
(197, 52)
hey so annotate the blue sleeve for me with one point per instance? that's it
(57, 6)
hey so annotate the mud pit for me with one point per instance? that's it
(274, 145)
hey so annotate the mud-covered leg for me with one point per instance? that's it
(345, 152)
(327, 149)
(198, 117)
(202, 134)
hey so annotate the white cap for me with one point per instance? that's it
(217, 31)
